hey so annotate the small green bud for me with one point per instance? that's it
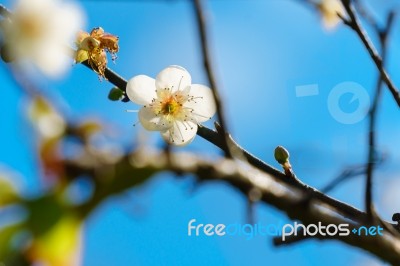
(116, 94)
(281, 155)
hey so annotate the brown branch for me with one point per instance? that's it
(5, 12)
(202, 29)
(218, 139)
(371, 158)
(275, 188)
(354, 23)
(140, 165)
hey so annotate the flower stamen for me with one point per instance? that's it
(171, 108)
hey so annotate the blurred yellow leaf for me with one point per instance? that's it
(60, 245)
(6, 235)
(88, 128)
(39, 107)
(8, 192)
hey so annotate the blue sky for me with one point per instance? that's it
(262, 50)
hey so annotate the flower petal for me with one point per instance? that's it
(151, 121)
(181, 133)
(174, 78)
(51, 60)
(81, 55)
(331, 11)
(141, 89)
(202, 102)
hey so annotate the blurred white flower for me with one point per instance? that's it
(329, 10)
(39, 32)
(172, 105)
(49, 123)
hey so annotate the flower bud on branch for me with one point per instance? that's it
(282, 157)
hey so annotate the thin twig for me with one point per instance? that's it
(214, 138)
(225, 141)
(245, 181)
(366, 15)
(218, 140)
(383, 37)
(349, 173)
(354, 23)
(345, 175)
(371, 159)
(202, 29)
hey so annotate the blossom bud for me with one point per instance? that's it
(281, 155)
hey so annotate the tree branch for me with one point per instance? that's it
(217, 139)
(4, 12)
(275, 188)
(355, 24)
(138, 166)
(371, 158)
(214, 138)
(201, 26)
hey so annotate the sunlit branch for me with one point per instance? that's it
(286, 193)
(4, 12)
(135, 168)
(216, 139)
(354, 23)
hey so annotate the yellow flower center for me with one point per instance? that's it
(89, 44)
(30, 26)
(170, 106)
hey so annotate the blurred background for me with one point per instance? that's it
(280, 72)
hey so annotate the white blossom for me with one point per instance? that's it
(171, 104)
(39, 32)
(330, 11)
